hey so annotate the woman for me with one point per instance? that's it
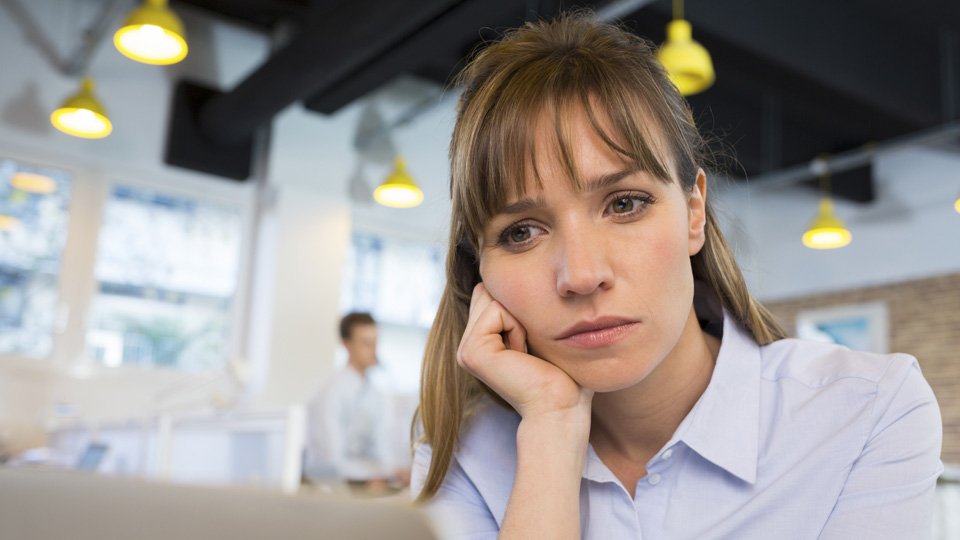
(597, 368)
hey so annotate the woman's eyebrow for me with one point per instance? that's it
(523, 205)
(603, 181)
(609, 179)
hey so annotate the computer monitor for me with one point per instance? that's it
(39, 504)
(91, 457)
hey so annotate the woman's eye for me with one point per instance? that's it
(518, 235)
(622, 205)
(629, 204)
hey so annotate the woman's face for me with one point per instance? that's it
(601, 278)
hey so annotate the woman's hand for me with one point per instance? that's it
(494, 349)
(555, 425)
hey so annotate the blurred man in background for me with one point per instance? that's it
(347, 420)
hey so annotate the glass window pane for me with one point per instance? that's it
(399, 282)
(33, 230)
(167, 272)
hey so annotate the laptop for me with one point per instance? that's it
(41, 504)
(92, 457)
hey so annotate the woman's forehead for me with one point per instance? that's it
(578, 145)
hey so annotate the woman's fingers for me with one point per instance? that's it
(483, 336)
(516, 335)
(494, 350)
(478, 301)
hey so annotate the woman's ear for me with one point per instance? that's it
(697, 205)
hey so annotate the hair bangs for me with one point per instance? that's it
(501, 163)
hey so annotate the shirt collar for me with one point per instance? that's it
(724, 425)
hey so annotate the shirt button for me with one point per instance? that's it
(666, 454)
(654, 479)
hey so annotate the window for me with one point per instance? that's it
(33, 231)
(166, 272)
(400, 283)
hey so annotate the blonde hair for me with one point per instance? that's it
(553, 66)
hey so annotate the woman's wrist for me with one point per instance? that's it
(576, 409)
(557, 429)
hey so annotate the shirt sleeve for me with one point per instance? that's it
(384, 427)
(325, 452)
(457, 509)
(889, 493)
(316, 457)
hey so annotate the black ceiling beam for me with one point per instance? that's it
(329, 48)
(855, 184)
(819, 104)
(430, 45)
(747, 71)
(841, 44)
(213, 132)
(440, 50)
(186, 146)
(263, 14)
(927, 16)
(814, 117)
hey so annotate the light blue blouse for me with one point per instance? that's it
(793, 440)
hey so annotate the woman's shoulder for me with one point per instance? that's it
(843, 402)
(485, 460)
(817, 364)
(487, 440)
(869, 391)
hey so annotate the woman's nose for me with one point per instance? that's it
(583, 264)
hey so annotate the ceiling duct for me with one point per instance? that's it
(212, 131)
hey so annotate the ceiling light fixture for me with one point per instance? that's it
(826, 231)
(8, 223)
(687, 62)
(152, 34)
(82, 114)
(33, 182)
(398, 190)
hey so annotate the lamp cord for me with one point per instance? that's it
(677, 9)
(825, 187)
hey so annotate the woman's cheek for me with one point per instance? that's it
(496, 279)
(509, 293)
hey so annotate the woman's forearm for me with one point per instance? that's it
(545, 500)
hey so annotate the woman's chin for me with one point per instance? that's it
(608, 376)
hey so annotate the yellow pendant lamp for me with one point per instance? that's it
(687, 62)
(33, 182)
(82, 114)
(826, 231)
(152, 34)
(398, 190)
(956, 204)
(8, 223)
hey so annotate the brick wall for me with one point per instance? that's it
(924, 322)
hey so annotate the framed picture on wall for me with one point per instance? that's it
(862, 327)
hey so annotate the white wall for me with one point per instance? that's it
(307, 226)
(423, 143)
(911, 231)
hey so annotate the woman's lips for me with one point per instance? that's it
(597, 334)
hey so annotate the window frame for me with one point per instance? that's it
(91, 188)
